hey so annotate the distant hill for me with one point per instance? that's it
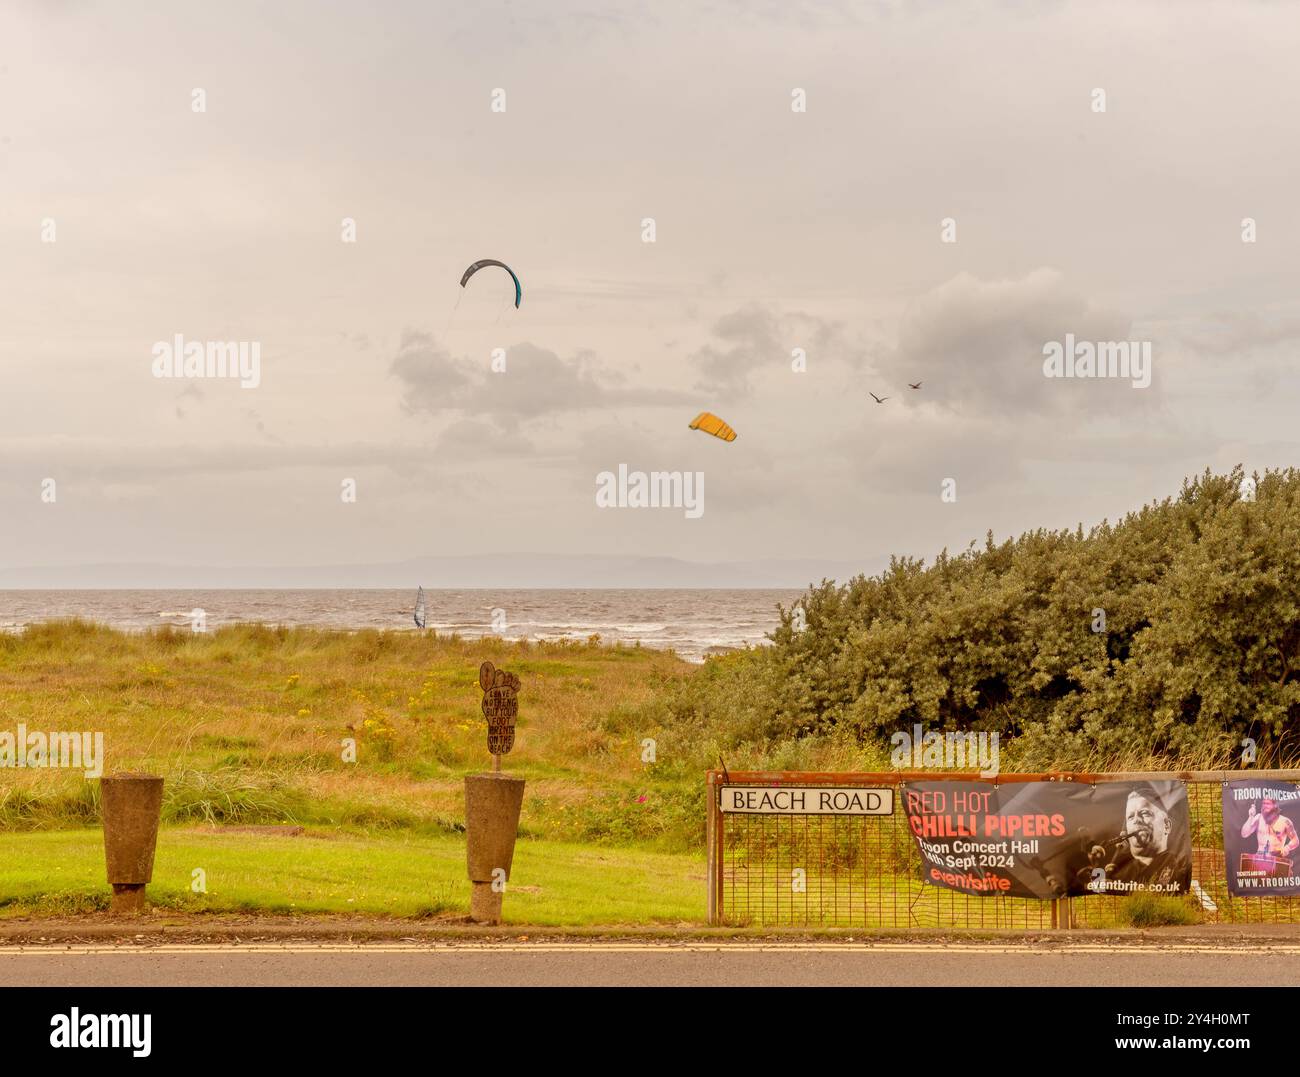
(516, 570)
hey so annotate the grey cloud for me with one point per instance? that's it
(475, 440)
(750, 341)
(977, 347)
(430, 377)
(755, 338)
(538, 382)
(535, 383)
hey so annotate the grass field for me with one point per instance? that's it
(406, 875)
(247, 725)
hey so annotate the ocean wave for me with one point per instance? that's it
(683, 621)
(592, 626)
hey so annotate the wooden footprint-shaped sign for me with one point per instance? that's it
(500, 706)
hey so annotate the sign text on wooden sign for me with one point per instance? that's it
(807, 800)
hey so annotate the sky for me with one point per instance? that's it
(775, 229)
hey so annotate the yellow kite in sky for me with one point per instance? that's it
(711, 424)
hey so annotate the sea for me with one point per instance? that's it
(694, 623)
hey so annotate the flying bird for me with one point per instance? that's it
(877, 399)
(916, 386)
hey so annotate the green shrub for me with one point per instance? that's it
(1198, 647)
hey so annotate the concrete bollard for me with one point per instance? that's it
(131, 805)
(492, 803)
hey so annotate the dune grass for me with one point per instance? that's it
(247, 724)
(400, 875)
(1157, 910)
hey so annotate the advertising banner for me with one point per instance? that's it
(1259, 837)
(1052, 839)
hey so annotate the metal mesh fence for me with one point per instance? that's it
(865, 871)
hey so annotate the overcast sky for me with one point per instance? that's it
(775, 230)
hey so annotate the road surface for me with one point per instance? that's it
(647, 964)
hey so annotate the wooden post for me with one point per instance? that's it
(711, 824)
